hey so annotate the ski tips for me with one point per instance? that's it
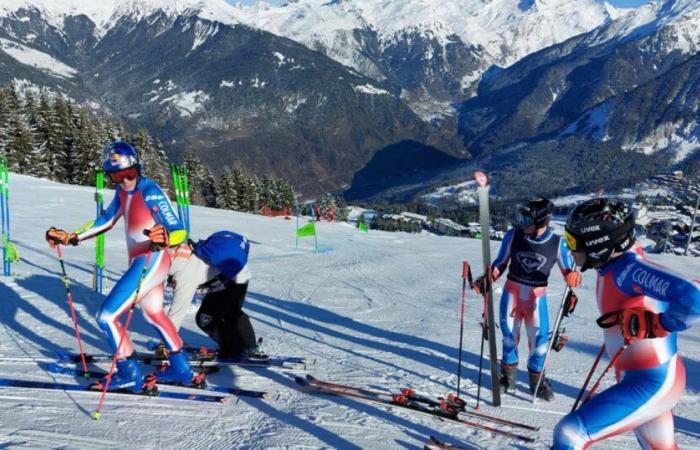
(96, 415)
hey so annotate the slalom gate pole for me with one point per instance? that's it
(602, 375)
(466, 275)
(5, 217)
(2, 217)
(316, 238)
(73, 316)
(296, 238)
(186, 194)
(588, 378)
(99, 240)
(96, 415)
(176, 188)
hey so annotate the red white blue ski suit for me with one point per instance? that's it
(650, 373)
(142, 208)
(524, 296)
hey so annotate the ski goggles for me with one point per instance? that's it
(524, 220)
(571, 241)
(119, 176)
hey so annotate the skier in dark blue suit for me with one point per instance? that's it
(531, 249)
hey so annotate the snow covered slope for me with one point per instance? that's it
(377, 309)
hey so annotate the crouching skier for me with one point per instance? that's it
(643, 306)
(144, 206)
(532, 250)
(216, 267)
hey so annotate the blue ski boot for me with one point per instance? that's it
(129, 376)
(179, 371)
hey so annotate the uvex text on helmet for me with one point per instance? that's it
(599, 227)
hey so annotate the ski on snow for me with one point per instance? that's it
(50, 385)
(98, 374)
(437, 444)
(449, 404)
(400, 401)
(197, 359)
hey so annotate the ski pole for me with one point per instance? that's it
(602, 375)
(557, 323)
(108, 378)
(466, 275)
(484, 336)
(72, 311)
(588, 378)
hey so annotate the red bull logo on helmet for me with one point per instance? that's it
(119, 161)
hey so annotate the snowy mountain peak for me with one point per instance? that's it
(522, 26)
(104, 12)
(681, 17)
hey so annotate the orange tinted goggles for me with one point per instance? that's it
(127, 174)
(571, 241)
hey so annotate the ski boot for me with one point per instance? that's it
(509, 373)
(128, 376)
(256, 351)
(545, 391)
(160, 351)
(179, 372)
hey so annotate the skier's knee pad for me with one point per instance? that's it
(570, 433)
(104, 319)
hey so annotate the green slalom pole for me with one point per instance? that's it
(174, 173)
(98, 284)
(186, 197)
(5, 219)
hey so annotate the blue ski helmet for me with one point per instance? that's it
(118, 156)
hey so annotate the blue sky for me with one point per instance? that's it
(619, 3)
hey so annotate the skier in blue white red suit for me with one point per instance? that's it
(643, 306)
(532, 249)
(144, 206)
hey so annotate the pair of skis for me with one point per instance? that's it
(198, 359)
(76, 387)
(99, 374)
(408, 399)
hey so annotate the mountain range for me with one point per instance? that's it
(624, 95)
(366, 96)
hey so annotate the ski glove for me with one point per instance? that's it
(635, 323)
(480, 285)
(55, 236)
(641, 323)
(573, 278)
(158, 235)
(570, 303)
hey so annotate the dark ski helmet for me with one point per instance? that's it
(599, 227)
(537, 211)
(118, 156)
